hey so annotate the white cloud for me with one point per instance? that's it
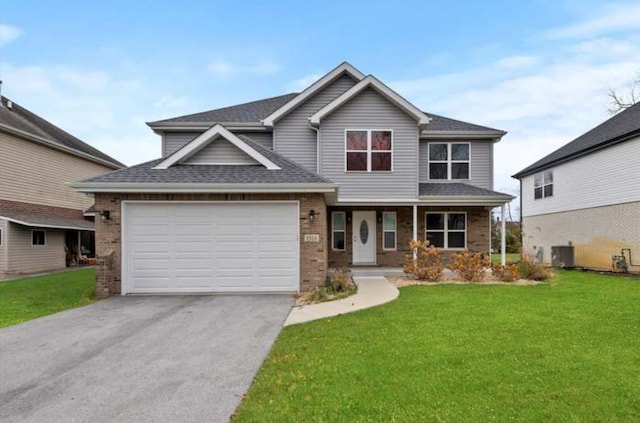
(224, 67)
(304, 82)
(8, 33)
(612, 18)
(518, 62)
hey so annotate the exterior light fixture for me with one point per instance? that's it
(312, 215)
(105, 215)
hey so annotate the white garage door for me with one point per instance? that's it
(210, 247)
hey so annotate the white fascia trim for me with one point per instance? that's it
(39, 140)
(466, 200)
(38, 225)
(202, 140)
(426, 201)
(204, 188)
(344, 67)
(388, 93)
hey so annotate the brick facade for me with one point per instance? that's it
(478, 233)
(313, 255)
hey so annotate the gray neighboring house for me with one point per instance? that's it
(586, 194)
(43, 224)
(266, 196)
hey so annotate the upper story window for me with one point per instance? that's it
(449, 160)
(369, 150)
(543, 184)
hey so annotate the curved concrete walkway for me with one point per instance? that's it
(372, 291)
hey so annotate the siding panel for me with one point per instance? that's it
(173, 141)
(25, 258)
(481, 172)
(292, 136)
(603, 178)
(33, 173)
(221, 151)
(369, 110)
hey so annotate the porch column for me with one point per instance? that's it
(415, 228)
(503, 238)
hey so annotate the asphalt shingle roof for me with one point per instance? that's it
(223, 174)
(22, 119)
(607, 133)
(39, 220)
(457, 188)
(255, 111)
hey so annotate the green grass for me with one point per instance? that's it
(562, 352)
(511, 258)
(26, 299)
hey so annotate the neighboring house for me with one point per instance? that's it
(42, 219)
(265, 196)
(586, 194)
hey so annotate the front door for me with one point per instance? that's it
(364, 237)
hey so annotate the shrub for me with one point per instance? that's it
(507, 273)
(471, 267)
(533, 271)
(339, 281)
(338, 285)
(427, 265)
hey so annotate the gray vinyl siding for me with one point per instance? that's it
(25, 258)
(221, 151)
(3, 246)
(480, 164)
(292, 136)
(173, 141)
(369, 110)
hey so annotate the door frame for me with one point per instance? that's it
(373, 235)
(125, 265)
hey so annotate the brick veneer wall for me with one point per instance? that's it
(313, 256)
(478, 237)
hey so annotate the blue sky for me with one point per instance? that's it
(538, 69)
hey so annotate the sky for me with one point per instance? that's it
(539, 69)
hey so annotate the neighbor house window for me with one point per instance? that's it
(446, 230)
(449, 160)
(369, 150)
(38, 237)
(389, 230)
(543, 184)
(338, 226)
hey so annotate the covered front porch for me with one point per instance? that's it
(378, 236)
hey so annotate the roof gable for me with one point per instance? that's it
(342, 69)
(610, 132)
(370, 82)
(188, 152)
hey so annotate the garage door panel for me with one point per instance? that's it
(211, 247)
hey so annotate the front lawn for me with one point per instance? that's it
(511, 258)
(26, 299)
(564, 352)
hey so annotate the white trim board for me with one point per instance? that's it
(207, 137)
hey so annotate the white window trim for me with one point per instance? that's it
(449, 161)
(368, 150)
(1, 234)
(543, 184)
(395, 231)
(446, 229)
(45, 238)
(333, 230)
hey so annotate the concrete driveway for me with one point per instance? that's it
(138, 359)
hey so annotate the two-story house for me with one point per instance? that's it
(265, 196)
(586, 195)
(42, 219)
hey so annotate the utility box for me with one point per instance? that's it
(563, 256)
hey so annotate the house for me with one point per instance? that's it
(265, 196)
(586, 195)
(42, 219)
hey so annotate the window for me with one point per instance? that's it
(446, 230)
(389, 230)
(38, 237)
(543, 184)
(369, 150)
(449, 160)
(338, 225)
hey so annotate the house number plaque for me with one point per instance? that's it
(311, 238)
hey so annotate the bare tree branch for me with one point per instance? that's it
(629, 96)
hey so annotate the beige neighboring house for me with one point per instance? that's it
(582, 201)
(43, 224)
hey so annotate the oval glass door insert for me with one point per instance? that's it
(364, 232)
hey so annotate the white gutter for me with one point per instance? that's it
(203, 188)
(13, 131)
